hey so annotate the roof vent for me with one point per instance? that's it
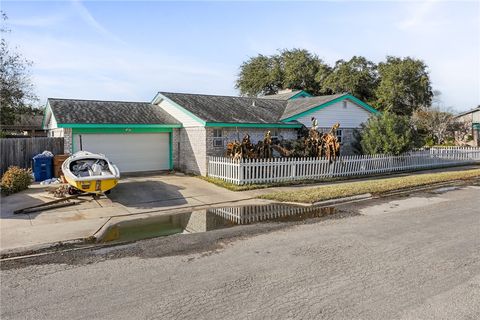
(253, 103)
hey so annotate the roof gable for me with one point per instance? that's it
(299, 107)
(288, 95)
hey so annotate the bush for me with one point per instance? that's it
(16, 179)
(387, 133)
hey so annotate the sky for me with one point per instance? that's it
(119, 50)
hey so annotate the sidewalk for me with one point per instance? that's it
(24, 232)
(33, 231)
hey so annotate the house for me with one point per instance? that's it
(25, 125)
(180, 131)
(471, 119)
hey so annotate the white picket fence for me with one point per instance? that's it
(250, 171)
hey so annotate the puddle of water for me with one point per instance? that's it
(209, 219)
(444, 189)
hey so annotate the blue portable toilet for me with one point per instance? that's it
(42, 167)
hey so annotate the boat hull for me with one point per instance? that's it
(93, 183)
(93, 186)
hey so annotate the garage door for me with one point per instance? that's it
(130, 152)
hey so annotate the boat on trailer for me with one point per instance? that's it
(90, 172)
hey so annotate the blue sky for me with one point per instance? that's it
(130, 50)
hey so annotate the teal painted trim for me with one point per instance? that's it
(363, 104)
(476, 126)
(120, 130)
(170, 147)
(179, 107)
(254, 125)
(329, 103)
(301, 94)
(117, 126)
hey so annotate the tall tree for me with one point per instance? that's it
(292, 69)
(302, 69)
(16, 88)
(357, 76)
(404, 85)
(259, 75)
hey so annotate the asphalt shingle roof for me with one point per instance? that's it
(281, 96)
(229, 109)
(300, 105)
(108, 112)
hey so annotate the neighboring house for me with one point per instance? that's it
(26, 125)
(186, 129)
(471, 119)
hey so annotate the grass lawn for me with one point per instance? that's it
(377, 186)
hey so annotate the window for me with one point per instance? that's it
(217, 138)
(339, 135)
(274, 133)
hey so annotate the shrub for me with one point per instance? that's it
(387, 133)
(16, 179)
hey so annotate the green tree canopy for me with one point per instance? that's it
(387, 133)
(260, 75)
(16, 89)
(357, 76)
(398, 85)
(301, 70)
(293, 69)
(404, 85)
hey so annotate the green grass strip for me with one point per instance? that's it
(377, 186)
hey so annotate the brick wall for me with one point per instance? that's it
(189, 150)
(231, 134)
(67, 136)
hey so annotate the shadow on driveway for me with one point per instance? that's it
(147, 194)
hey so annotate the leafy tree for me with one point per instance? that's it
(16, 88)
(357, 76)
(387, 133)
(293, 69)
(404, 85)
(301, 70)
(259, 75)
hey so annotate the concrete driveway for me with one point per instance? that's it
(165, 191)
(133, 195)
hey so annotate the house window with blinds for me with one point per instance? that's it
(217, 138)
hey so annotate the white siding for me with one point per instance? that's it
(476, 116)
(350, 117)
(51, 122)
(56, 133)
(185, 119)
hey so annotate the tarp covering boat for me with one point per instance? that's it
(90, 172)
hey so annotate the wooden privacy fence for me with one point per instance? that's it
(248, 171)
(19, 151)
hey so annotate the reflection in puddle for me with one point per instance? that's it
(209, 219)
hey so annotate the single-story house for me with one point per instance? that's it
(471, 118)
(25, 125)
(180, 131)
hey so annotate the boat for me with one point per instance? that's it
(90, 172)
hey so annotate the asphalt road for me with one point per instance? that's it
(415, 257)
